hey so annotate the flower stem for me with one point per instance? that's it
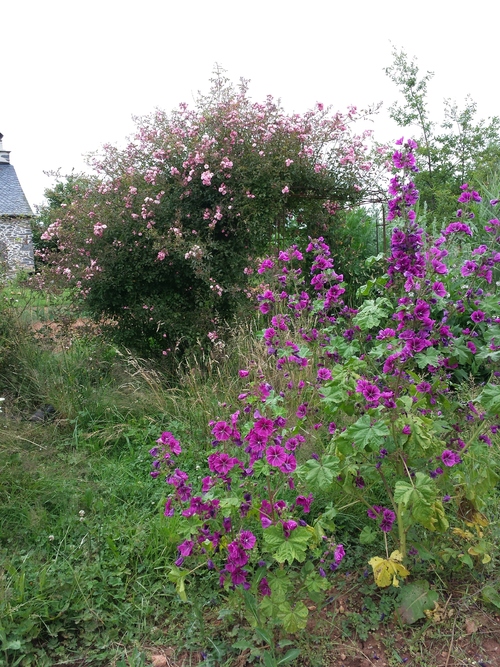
(401, 531)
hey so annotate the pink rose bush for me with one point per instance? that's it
(223, 172)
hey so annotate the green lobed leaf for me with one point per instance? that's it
(269, 606)
(178, 577)
(430, 357)
(321, 473)
(260, 467)
(367, 535)
(294, 617)
(430, 516)
(334, 392)
(422, 497)
(279, 583)
(415, 599)
(425, 486)
(365, 434)
(288, 549)
(489, 398)
(315, 583)
(372, 312)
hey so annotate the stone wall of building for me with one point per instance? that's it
(16, 244)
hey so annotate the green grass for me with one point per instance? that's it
(36, 305)
(84, 547)
(85, 550)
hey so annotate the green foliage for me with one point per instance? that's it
(321, 474)
(287, 549)
(371, 313)
(415, 599)
(352, 237)
(79, 550)
(89, 564)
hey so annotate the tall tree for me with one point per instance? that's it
(460, 150)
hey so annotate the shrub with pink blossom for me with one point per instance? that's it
(163, 239)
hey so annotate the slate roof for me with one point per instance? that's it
(12, 199)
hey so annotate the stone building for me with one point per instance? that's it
(16, 243)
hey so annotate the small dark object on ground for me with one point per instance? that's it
(43, 414)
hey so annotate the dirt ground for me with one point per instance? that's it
(459, 642)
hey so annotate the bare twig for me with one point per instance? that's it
(30, 441)
(451, 642)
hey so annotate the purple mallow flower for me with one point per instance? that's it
(222, 431)
(374, 511)
(247, 539)
(304, 502)
(276, 456)
(302, 411)
(458, 227)
(324, 374)
(289, 464)
(288, 527)
(186, 548)
(450, 458)
(266, 264)
(370, 392)
(388, 518)
(264, 588)
(439, 289)
(221, 462)
(338, 554)
(168, 439)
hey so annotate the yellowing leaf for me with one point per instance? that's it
(438, 614)
(464, 534)
(387, 571)
(477, 519)
(475, 551)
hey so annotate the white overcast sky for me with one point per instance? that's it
(72, 74)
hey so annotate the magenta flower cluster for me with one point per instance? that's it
(431, 330)
(384, 516)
